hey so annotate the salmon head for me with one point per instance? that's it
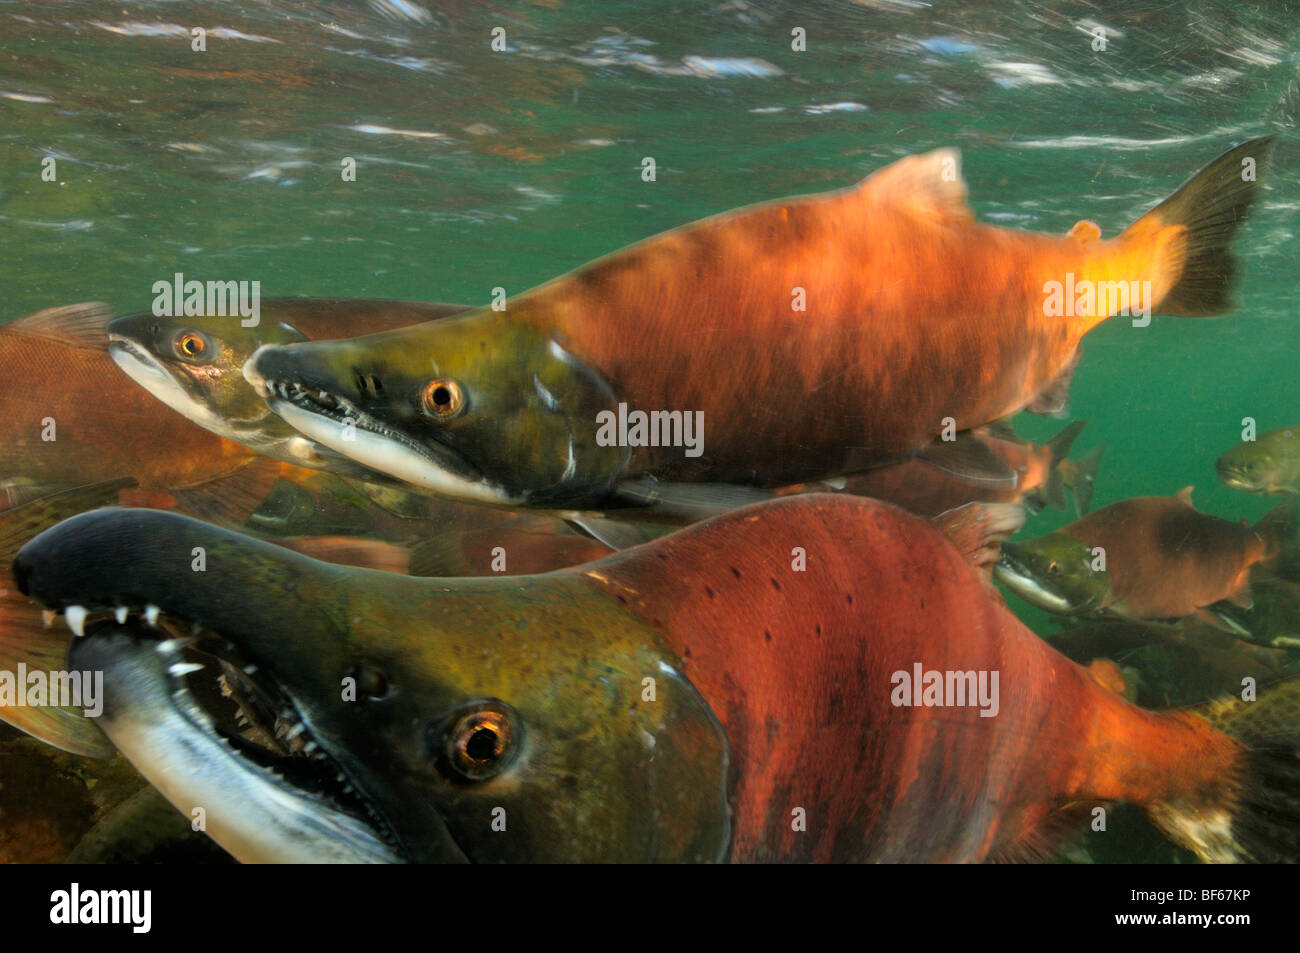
(1054, 572)
(1268, 464)
(386, 718)
(194, 364)
(473, 408)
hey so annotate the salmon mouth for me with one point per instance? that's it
(339, 424)
(1236, 477)
(210, 729)
(1018, 572)
(179, 392)
(153, 375)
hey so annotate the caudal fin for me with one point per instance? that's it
(1081, 477)
(1258, 817)
(1211, 207)
(1052, 492)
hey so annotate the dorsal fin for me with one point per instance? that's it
(1185, 496)
(77, 325)
(1085, 231)
(929, 186)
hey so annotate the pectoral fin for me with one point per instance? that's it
(689, 501)
(616, 534)
(969, 458)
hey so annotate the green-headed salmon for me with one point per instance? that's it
(788, 342)
(1268, 464)
(1150, 557)
(818, 678)
(194, 365)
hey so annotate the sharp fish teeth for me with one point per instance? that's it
(75, 616)
(173, 645)
(48, 616)
(181, 669)
(120, 615)
(151, 615)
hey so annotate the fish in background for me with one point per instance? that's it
(1273, 617)
(477, 699)
(1042, 475)
(194, 365)
(1268, 464)
(72, 419)
(803, 339)
(26, 638)
(1167, 665)
(1144, 558)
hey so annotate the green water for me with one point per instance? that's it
(479, 169)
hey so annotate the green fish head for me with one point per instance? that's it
(415, 720)
(1054, 572)
(1256, 466)
(195, 366)
(475, 408)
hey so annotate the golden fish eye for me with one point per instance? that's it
(190, 345)
(443, 398)
(1052, 567)
(478, 744)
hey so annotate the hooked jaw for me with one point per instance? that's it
(274, 780)
(1020, 570)
(311, 403)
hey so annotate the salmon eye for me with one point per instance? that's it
(480, 743)
(191, 345)
(442, 398)
(1052, 566)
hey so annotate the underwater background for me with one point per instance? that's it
(478, 169)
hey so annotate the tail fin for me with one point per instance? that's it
(1210, 206)
(1081, 477)
(1058, 448)
(1259, 818)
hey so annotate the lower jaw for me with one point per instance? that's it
(155, 717)
(387, 456)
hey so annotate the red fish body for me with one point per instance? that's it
(797, 666)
